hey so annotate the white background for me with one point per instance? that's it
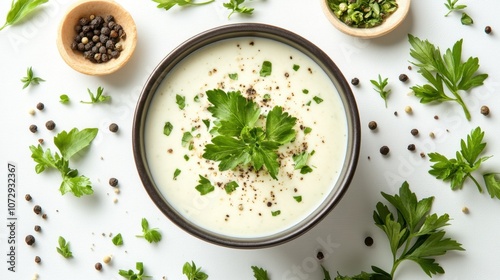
(87, 222)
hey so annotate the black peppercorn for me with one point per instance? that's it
(113, 182)
(30, 239)
(414, 132)
(37, 228)
(368, 241)
(33, 128)
(98, 266)
(37, 209)
(485, 110)
(38, 259)
(40, 106)
(355, 81)
(403, 77)
(372, 125)
(50, 125)
(411, 147)
(487, 29)
(113, 127)
(320, 255)
(27, 197)
(384, 150)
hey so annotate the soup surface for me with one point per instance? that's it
(258, 205)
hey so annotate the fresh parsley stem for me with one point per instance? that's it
(475, 182)
(201, 3)
(462, 103)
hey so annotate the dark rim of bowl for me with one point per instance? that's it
(261, 31)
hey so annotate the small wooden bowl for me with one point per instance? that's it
(66, 34)
(390, 23)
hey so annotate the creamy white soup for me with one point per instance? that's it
(259, 205)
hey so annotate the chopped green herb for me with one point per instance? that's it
(305, 91)
(380, 88)
(64, 99)
(186, 157)
(231, 187)
(307, 130)
(306, 169)
(466, 19)
(317, 99)
(259, 273)
(167, 128)
(300, 160)
(192, 272)
(275, 213)
(492, 184)
(99, 97)
(30, 78)
(204, 186)
(298, 198)
(150, 234)
(236, 7)
(452, 6)
(296, 67)
(327, 276)
(308, 103)
(186, 139)
(207, 123)
(131, 275)
(266, 69)
(117, 239)
(63, 248)
(68, 143)
(267, 96)
(180, 101)
(363, 13)
(196, 98)
(233, 76)
(167, 4)
(19, 9)
(177, 172)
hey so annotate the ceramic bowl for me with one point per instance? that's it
(389, 24)
(148, 103)
(66, 34)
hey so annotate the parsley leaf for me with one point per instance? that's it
(117, 239)
(69, 144)
(457, 170)
(259, 273)
(414, 234)
(275, 213)
(204, 186)
(380, 88)
(233, 76)
(20, 9)
(180, 101)
(466, 19)
(447, 69)
(99, 97)
(492, 184)
(64, 98)
(167, 128)
(236, 7)
(192, 272)
(167, 4)
(266, 69)
(31, 79)
(452, 6)
(231, 187)
(177, 172)
(63, 248)
(131, 275)
(150, 234)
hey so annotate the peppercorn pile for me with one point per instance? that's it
(98, 38)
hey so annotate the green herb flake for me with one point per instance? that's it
(177, 172)
(362, 13)
(167, 128)
(266, 69)
(275, 213)
(296, 67)
(492, 184)
(30, 78)
(466, 19)
(99, 97)
(180, 101)
(186, 157)
(19, 9)
(186, 139)
(267, 97)
(306, 169)
(307, 130)
(192, 272)
(64, 98)
(196, 98)
(152, 235)
(117, 240)
(63, 248)
(298, 198)
(259, 273)
(231, 187)
(305, 91)
(131, 275)
(233, 76)
(204, 186)
(317, 99)
(207, 123)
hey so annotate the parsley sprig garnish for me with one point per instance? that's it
(131, 275)
(167, 4)
(453, 6)
(63, 248)
(380, 87)
(192, 272)
(444, 70)
(236, 7)
(99, 97)
(414, 234)
(152, 235)
(240, 141)
(20, 9)
(467, 160)
(69, 144)
(30, 78)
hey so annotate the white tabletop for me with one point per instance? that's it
(88, 222)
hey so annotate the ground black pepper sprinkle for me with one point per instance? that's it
(368, 241)
(38, 228)
(113, 127)
(411, 147)
(355, 81)
(422, 154)
(414, 132)
(485, 110)
(372, 125)
(33, 128)
(487, 29)
(38, 259)
(403, 77)
(98, 266)
(113, 182)
(30, 239)
(40, 106)
(28, 197)
(50, 125)
(320, 255)
(384, 150)
(37, 209)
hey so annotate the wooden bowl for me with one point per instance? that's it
(66, 34)
(390, 23)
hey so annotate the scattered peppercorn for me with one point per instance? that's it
(44, 216)
(107, 259)
(50, 125)
(384, 150)
(396, 113)
(113, 127)
(37, 209)
(28, 197)
(422, 155)
(436, 117)
(372, 125)
(98, 266)
(432, 135)
(485, 110)
(113, 182)
(465, 210)
(33, 128)
(355, 81)
(30, 239)
(409, 67)
(368, 241)
(38, 228)
(40, 106)
(40, 141)
(403, 77)
(487, 29)
(31, 111)
(414, 132)
(38, 259)
(320, 255)
(408, 110)
(411, 147)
